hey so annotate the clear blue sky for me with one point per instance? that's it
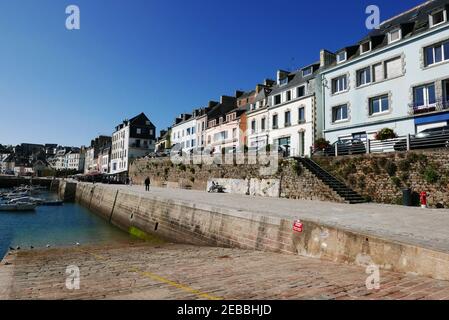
(162, 57)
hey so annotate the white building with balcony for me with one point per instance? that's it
(397, 77)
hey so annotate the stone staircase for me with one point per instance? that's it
(349, 195)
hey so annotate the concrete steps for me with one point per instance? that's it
(349, 195)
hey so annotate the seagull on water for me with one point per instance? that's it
(78, 244)
(48, 246)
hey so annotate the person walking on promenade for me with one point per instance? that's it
(147, 184)
(130, 182)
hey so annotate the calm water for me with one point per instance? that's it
(57, 226)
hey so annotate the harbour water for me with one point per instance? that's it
(57, 226)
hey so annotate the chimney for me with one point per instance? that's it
(239, 93)
(326, 58)
(281, 74)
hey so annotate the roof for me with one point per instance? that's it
(295, 79)
(411, 22)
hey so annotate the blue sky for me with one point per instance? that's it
(162, 57)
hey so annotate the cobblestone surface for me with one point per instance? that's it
(171, 271)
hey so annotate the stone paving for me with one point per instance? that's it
(173, 271)
(421, 227)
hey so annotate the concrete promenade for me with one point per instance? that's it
(427, 228)
(170, 271)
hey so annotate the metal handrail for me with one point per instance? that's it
(439, 105)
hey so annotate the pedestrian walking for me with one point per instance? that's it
(147, 184)
(130, 182)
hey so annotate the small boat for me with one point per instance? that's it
(18, 206)
(26, 199)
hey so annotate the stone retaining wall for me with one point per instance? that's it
(201, 224)
(382, 177)
(295, 182)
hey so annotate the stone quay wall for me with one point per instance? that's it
(12, 181)
(295, 181)
(382, 177)
(208, 225)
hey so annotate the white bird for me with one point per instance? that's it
(78, 244)
(48, 246)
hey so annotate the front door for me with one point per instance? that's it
(301, 144)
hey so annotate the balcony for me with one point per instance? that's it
(441, 104)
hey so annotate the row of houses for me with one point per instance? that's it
(33, 159)
(396, 77)
(112, 155)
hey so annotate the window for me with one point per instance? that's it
(301, 115)
(307, 71)
(275, 121)
(394, 35)
(437, 18)
(300, 91)
(340, 113)
(341, 56)
(262, 124)
(287, 118)
(188, 131)
(234, 133)
(436, 53)
(139, 131)
(220, 120)
(365, 47)
(340, 84)
(253, 126)
(277, 99)
(284, 81)
(378, 72)
(424, 95)
(289, 95)
(379, 105)
(393, 68)
(363, 76)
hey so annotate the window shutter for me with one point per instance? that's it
(393, 68)
(378, 72)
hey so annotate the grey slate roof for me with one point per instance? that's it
(296, 79)
(411, 22)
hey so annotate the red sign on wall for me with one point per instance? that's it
(298, 226)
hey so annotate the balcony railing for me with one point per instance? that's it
(440, 105)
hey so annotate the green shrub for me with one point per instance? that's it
(431, 175)
(381, 162)
(297, 168)
(390, 168)
(404, 165)
(404, 176)
(321, 144)
(182, 167)
(366, 170)
(396, 181)
(386, 133)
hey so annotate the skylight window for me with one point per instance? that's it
(365, 47)
(394, 35)
(437, 18)
(307, 71)
(341, 56)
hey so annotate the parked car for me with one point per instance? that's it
(346, 147)
(426, 139)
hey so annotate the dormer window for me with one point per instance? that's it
(341, 56)
(365, 47)
(437, 18)
(307, 71)
(283, 82)
(394, 35)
